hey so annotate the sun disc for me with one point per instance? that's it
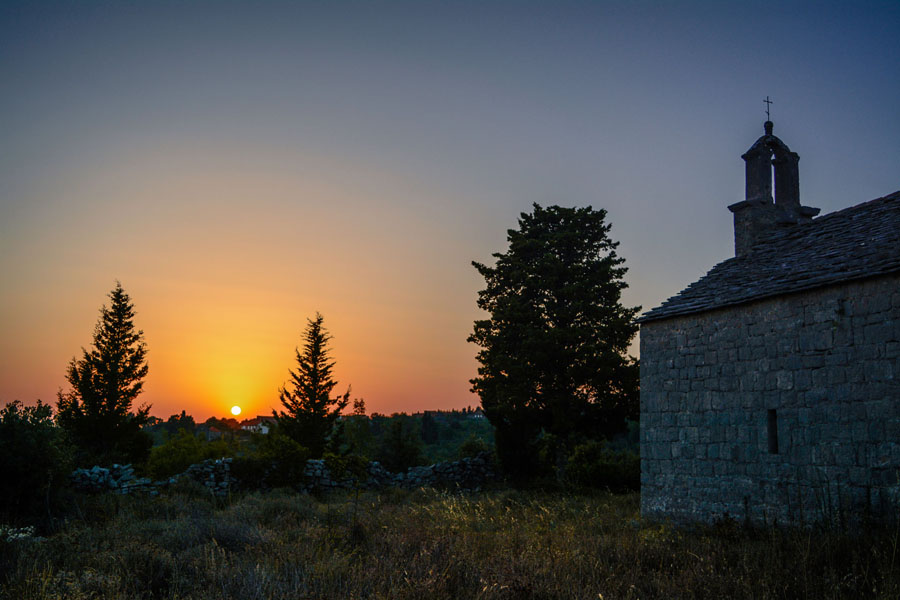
(235, 410)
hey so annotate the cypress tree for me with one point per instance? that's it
(97, 412)
(310, 416)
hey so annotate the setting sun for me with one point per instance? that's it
(235, 410)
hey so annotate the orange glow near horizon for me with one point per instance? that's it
(223, 276)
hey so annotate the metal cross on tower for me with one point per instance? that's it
(768, 103)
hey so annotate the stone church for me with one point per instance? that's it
(770, 388)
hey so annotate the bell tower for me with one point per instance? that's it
(758, 214)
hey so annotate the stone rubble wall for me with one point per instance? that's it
(118, 479)
(216, 475)
(467, 473)
(823, 364)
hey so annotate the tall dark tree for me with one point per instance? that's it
(553, 351)
(311, 412)
(97, 412)
(430, 432)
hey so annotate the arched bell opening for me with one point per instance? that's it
(769, 165)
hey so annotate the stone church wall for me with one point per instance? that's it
(785, 409)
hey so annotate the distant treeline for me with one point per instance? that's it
(399, 440)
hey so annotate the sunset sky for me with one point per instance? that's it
(239, 166)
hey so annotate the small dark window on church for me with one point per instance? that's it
(773, 431)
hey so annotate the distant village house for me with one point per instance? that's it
(259, 424)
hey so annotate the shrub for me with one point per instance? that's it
(278, 461)
(594, 464)
(34, 460)
(181, 451)
(250, 471)
(349, 465)
(518, 453)
(401, 448)
(473, 446)
(358, 435)
(630, 439)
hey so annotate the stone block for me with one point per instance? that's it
(892, 349)
(704, 468)
(878, 370)
(845, 456)
(812, 361)
(876, 430)
(836, 375)
(784, 380)
(892, 428)
(817, 339)
(879, 332)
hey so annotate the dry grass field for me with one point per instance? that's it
(426, 544)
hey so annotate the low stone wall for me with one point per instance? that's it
(119, 479)
(216, 475)
(467, 473)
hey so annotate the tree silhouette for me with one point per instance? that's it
(175, 423)
(430, 432)
(35, 461)
(311, 413)
(96, 413)
(401, 448)
(553, 363)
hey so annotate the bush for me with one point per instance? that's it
(401, 448)
(250, 471)
(182, 451)
(630, 439)
(278, 461)
(472, 447)
(518, 454)
(350, 465)
(358, 435)
(594, 464)
(34, 460)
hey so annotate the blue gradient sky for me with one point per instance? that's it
(239, 166)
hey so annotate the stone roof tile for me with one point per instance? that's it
(855, 243)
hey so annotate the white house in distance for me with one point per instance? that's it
(259, 424)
